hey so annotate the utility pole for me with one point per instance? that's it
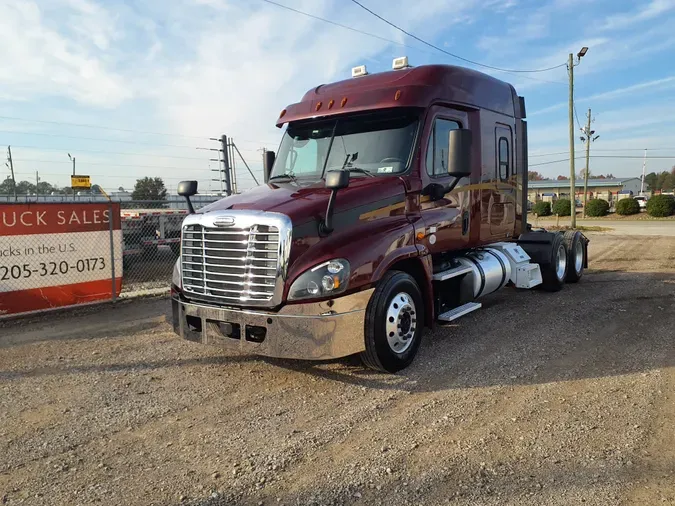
(73, 160)
(570, 71)
(588, 158)
(644, 166)
(37, 186)
(587, 138)
(573, 215)
(11, 169)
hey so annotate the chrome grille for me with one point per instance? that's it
(234, 264)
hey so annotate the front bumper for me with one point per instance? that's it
(311, 331)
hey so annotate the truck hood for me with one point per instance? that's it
(305, 203)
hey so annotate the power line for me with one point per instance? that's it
(100, 127)
(98, 139)
(576, 115)
(352, 29)
(604, 156)
(115, 129)
(105, 164)
(535, 155)
(40, 148)
(397, 42)
(452, 54)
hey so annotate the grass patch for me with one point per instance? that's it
(643, 216)
(582, 228)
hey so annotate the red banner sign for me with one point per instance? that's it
(55, 255)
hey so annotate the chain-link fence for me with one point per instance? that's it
(64, 253)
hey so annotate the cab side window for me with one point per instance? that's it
(504, 166)
(437, 150)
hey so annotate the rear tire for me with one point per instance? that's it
(394, 323)
(554, 271)
(576, 255)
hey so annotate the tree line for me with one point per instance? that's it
(147, 188)
(533, 175)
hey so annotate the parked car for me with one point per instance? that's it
(642, 200)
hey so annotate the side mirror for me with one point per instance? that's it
(187, 189)
(335, 180)
(268, 162)
(459, 152)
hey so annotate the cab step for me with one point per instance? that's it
(451, 273)
(459, 311)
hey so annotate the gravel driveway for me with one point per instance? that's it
(537, 399)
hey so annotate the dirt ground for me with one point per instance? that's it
(537, 399)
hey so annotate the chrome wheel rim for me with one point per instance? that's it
(561, 262)
(401, 322)
(579, 257)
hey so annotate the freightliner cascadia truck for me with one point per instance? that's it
(395, 202)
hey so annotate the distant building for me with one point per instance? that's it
(607, 189)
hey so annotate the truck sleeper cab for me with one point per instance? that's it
(396, 200)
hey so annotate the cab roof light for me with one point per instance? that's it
(400, 63)
(359, 71)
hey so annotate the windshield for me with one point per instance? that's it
(367, 144)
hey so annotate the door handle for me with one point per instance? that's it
(465, 222)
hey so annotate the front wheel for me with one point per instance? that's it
(394, 323)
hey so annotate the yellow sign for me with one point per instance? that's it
(80, 182)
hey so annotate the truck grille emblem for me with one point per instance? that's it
(223, 221)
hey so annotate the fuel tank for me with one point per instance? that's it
(490, 271)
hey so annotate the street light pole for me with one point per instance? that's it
(573, 204)
(570, 69)
(73, 159)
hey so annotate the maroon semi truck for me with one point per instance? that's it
(396, 200)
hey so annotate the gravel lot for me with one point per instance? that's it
(537, 399)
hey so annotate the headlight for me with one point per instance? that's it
(176, 279)
(324, 280)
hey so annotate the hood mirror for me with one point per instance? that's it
(335, 180)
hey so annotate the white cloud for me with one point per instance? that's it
(38, 60)
(665, 83)
(646, 12)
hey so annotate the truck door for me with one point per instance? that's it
(501, 197)
(447, 220)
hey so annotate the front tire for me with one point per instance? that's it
(394, 323)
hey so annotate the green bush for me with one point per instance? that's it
(661, 205)
(562, 207)
(625, 207)
(597, 207)
(542, 208)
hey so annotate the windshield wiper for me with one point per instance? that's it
(285, 175)
(360, 171)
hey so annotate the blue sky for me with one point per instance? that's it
(195, 69)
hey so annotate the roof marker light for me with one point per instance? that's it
(330, 103)
(344, 101)
(318, 106)
(397, 95)
(283, 113)
(359, 71)
(400, 63)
